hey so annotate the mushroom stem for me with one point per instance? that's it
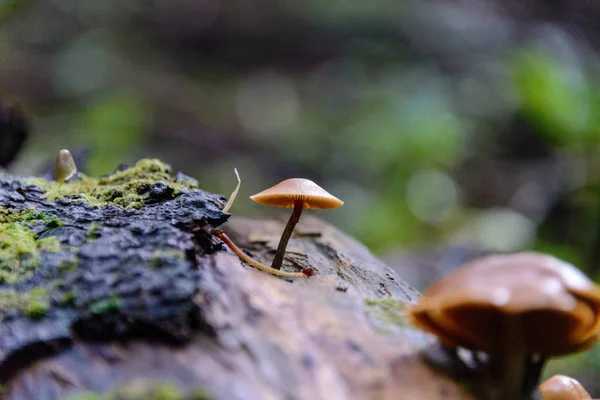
(287, 233)
(534, 367)
(221, 235)
(509, 366)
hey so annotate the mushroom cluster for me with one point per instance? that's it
(512, 312)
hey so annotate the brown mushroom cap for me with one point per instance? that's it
(559, 305)
(561, 387)
(285, 193)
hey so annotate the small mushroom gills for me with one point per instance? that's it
(298, 194)
(512, 311)
(561, 387)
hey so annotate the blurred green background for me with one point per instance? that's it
(449, 128)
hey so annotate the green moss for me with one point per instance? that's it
(104, 306)
(162, 391)
(388, 310)
(92, 231)
(145, 391)
(37, 309)
(166, 391)
(50, 244)
(18, 252)
(8, 215)
(17, 238)
(160, 258)
(125, 189)
(68, 265)
(19, 249)
(35, 303)
(87, 396)
(68, 298)
(200, 395)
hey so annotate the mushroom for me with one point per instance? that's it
(65, 167)
(561, 387)
(299, 194)
(306, 272)
(518, 309)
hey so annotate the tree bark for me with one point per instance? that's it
(139, 302)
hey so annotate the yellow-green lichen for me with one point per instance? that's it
(387, 310)
(35, 303)
(126, 189)
(145, 391)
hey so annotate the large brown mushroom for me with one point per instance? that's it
(561, 387)
(519, 309)
(299, 194)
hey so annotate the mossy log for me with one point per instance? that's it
(116, 289)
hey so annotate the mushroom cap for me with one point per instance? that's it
(285, 193)
(65, 166)
(561, 387)
(557, 306)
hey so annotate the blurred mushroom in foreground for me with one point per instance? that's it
(512, 312)
(561, 387)
(294, 193)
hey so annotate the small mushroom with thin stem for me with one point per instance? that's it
(64, 167)
(298, 194)
(256, 264)
(561, 387)
(518, 309)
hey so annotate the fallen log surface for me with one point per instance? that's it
(118, 290)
